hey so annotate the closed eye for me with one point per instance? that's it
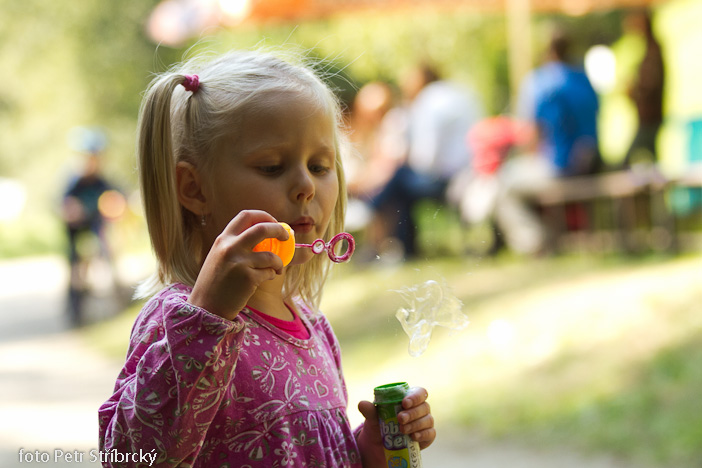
(319, 169)
(270, 170)
(322, 163)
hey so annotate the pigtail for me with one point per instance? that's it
(157, 162)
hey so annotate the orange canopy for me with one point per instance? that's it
(262, 10)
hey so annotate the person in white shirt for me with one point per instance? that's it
(439, 115)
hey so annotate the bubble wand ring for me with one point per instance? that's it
(286, 249)
(319, 246)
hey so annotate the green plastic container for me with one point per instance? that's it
(400, 450)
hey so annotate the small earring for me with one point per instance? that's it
(203, 222)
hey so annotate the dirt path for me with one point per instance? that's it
(52, 385)
(460, 450)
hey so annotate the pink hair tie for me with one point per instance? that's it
(191, 83)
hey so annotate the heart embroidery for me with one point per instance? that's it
(321, 389)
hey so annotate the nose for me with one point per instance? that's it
(303, 187)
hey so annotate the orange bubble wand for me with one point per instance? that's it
(286, 249)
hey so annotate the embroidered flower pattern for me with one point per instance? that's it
(288, 454)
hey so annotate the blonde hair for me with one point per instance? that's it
(178, 125)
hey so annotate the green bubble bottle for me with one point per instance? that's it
(400, 450)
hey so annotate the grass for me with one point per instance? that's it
(649, 406)
(596, 353)
(31, 235)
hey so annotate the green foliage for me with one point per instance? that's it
(66, 64)
(37, 235)
(467, 47)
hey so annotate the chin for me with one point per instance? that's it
(302, 255)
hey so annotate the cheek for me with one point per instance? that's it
(332, 190)
(330, 196)
(244, 193)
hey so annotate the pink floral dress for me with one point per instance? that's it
(204, 391)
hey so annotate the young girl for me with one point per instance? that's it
(231, 364)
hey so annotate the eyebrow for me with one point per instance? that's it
(321, 150)
(326, 150)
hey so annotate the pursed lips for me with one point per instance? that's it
(302, 225)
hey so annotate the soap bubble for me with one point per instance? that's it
(427, 305)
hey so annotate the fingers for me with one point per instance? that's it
(264, 230)
(425, 437)
(419, 428)
(367, 409)
(263, 261)
(247, 218)
(413, 414)
(415, 397)
(246, 231)
(253, 226)
(416, 419)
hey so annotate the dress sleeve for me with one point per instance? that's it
(179, 366)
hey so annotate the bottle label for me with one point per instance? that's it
(400, 450)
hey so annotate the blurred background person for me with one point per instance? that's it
(88, 201)
(563, 106)
(505, 161)
(378, 133)
(439, 114)
(646, 91)
(558, 108)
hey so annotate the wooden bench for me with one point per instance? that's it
(686, 200)
(624, 210)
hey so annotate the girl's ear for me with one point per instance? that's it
(189, 187)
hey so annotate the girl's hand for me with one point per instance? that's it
(415, 420)
(232, 271)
